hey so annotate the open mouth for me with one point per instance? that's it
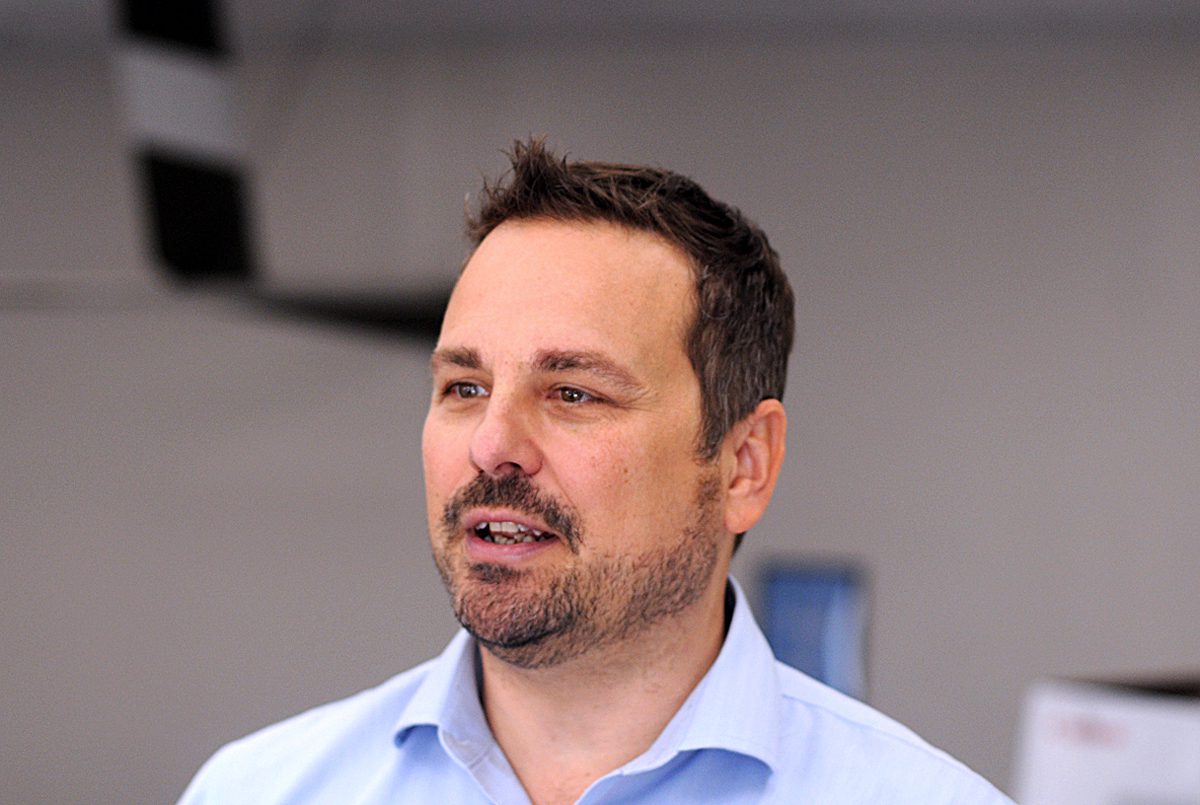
(506, 532)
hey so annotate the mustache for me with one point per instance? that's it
(517, 492)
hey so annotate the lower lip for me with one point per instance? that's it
(480, 550)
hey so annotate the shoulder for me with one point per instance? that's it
(280, 755)
(862, 755)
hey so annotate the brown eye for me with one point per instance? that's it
(573, 395)
(466, 391)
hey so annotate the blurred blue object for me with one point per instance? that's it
(815, 617)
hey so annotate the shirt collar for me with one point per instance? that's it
(719, 714)
(447, 698)
(716, 715)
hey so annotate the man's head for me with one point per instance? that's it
(740, 334)
(574, 499)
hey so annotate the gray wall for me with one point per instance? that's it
(210, 520)
(67, 207)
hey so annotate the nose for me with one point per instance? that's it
(503, 442)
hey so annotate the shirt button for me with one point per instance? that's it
(457, 746)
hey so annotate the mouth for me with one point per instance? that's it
(510, 532)
(507, 519)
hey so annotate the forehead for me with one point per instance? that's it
(537, 285)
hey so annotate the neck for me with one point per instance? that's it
(564, 727)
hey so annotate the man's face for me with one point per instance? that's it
(567, 507)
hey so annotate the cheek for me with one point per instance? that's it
(445, 444)
(441, 464)
(631, 483)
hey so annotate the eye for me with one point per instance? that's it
(465, 391)
(573, 396)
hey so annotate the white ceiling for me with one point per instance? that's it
(65, 24)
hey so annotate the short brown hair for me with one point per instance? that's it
(741, 337)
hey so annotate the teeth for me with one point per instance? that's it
(506, 532)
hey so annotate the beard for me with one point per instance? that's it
(541, 618)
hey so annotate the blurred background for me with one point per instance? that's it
(211, 503)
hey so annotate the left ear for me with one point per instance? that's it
(754, 449)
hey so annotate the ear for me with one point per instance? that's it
(753, 451)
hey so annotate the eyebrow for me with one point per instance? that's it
(550, 361)
(462, 357)
(594, 363)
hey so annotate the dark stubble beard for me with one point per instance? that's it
(542, 618)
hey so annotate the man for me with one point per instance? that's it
(605, 425)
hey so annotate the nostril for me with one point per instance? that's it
(504, 469)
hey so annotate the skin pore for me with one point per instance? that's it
(581, 539)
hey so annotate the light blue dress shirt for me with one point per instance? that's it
(753, 731)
